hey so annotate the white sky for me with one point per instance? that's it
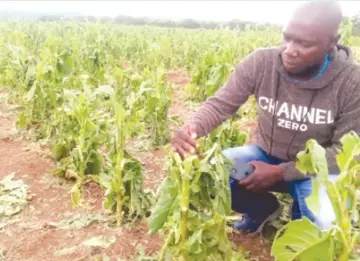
(260, 11)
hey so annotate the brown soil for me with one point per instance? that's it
(29, 236)
(179, 79)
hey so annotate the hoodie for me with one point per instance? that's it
(290, 112)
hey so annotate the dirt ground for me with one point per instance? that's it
(32, 235)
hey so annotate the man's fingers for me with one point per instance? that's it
(181, 151)
(247, 181)
(183, 142)
(185, 137)
(192, 131)
(190, 149)
(184, 146)
(251, 187)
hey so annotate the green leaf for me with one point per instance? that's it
(313, 200)
(313, 160)
(350, 149)
(21, 122)
(30, 94)
(161, 210)
(302, 240)
(75, 196)
(160, 213)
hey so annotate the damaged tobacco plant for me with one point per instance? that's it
(192, 207)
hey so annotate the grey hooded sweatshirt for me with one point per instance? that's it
(290, 113)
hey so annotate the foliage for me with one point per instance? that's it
(216, 62)
(305, 241)
(88, 89)
(124, 185)
(228, 134)
(13, 196)
(192, 205)
(100, 241)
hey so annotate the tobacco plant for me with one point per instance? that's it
(81, 131)
(228, 134)
(193, 203)
(306, 241)
(124, 193)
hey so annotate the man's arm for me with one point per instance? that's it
(348, 120)
(228, 99)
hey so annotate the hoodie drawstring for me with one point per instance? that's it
(302, 120)
(273, 118)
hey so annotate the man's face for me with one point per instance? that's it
(303, 46)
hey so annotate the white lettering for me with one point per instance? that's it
(330, 118)
(288, 124)
(311, 116)
(292, 125)
(320, 116)
(263, 105)
(295, 126)
(281, 123)
(272, 106)
(295, 113)
(283, 109)
(303, 127)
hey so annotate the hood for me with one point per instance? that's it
(342, 53)
(341, 58)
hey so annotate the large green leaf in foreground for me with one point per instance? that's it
(313, 160)
(302, 240)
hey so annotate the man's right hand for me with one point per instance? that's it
(183, 140)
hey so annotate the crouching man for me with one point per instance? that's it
(306, 88)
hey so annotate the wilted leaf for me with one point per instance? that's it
(105, 89)
(13, 196)
(100, 241)
(77, 222)
(162, 208)
(65, 251)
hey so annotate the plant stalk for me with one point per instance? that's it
(184, 216)
(118, 209)
(119, 196)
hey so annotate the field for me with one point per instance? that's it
(86, 114)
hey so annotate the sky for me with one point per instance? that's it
(257, 11)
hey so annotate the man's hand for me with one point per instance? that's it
(263, 177)
(183, 140)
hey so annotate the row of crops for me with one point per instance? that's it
(88, 89)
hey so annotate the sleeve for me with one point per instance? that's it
(348, 120)
(228, 99)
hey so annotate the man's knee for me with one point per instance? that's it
(245, 153)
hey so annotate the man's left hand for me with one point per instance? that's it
(263, 177)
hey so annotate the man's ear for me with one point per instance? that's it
(334, 42)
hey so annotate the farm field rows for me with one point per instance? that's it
(86, 113)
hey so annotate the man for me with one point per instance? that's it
(308, 87)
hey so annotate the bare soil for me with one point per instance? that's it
(31, 236)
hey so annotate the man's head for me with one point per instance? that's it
(311, 32)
